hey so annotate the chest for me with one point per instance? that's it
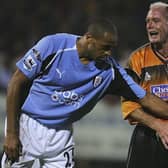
(68, 71)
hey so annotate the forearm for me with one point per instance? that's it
(144, 118)
(155, 105)
(16, 89)
(13, 106)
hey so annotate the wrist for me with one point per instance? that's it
(155, 125)
(12, 132)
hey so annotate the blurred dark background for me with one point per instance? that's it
(23, 22)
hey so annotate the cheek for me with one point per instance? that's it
(147, 26)
(92, 46)
(89, 46)
(164, 31)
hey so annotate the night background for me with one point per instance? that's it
(102, 137)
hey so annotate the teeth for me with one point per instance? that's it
(153, 33)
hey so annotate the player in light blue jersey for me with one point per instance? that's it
(80, 72)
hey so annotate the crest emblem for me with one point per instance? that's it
(29, 63)
(97, 81)
(147, 76)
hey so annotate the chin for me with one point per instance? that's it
(154, 41)
(156, 44)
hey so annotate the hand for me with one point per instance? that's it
(12, 147)
(162, 132)
(132, 121)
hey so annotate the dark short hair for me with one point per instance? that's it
(101, 25)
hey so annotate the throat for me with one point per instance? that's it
(163, 54)
(162, 51)
(84, 60)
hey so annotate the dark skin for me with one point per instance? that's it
(12, 145)
(89, 48)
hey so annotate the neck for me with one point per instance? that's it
(161, 49)
(84, 60)
(82, 55)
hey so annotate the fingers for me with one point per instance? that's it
(8, 163)
(133, 122)
(20, 150)
(13, 151)
(162, 132)
(165, 144)
(163, 138)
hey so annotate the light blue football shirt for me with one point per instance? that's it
(69, 89)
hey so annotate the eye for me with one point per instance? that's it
(147, 20)
(107, 48)
(156, 20)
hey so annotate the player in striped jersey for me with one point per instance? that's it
(81, 72)
(149, 146)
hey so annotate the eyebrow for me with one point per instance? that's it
(109, 44)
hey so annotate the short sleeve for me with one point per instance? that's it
(124, 85)
(30, 64)
(127, 107)
(134, 71)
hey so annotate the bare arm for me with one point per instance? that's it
(155, 105)
(14, 96)
(159, 125)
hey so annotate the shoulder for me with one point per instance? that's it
(58, 36)
(139, 52)
(57, 41)
(63, 39)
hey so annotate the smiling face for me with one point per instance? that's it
(157, 26)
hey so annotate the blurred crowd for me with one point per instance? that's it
(25, 22)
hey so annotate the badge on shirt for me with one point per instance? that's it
(29, 63)
(147, 76)
(97, 81)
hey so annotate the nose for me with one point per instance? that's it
(149, 24)
(108, 53)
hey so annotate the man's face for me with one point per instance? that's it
(101, 48)
(157, 26)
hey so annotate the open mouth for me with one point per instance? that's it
(153, 33)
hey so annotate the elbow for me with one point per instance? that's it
(145, 100)
(18, 81)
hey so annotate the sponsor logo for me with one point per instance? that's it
(29, 63)
(67, 98)
(97, 81)
(160, 91)
(60, 73)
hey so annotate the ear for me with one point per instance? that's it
(88, 36)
